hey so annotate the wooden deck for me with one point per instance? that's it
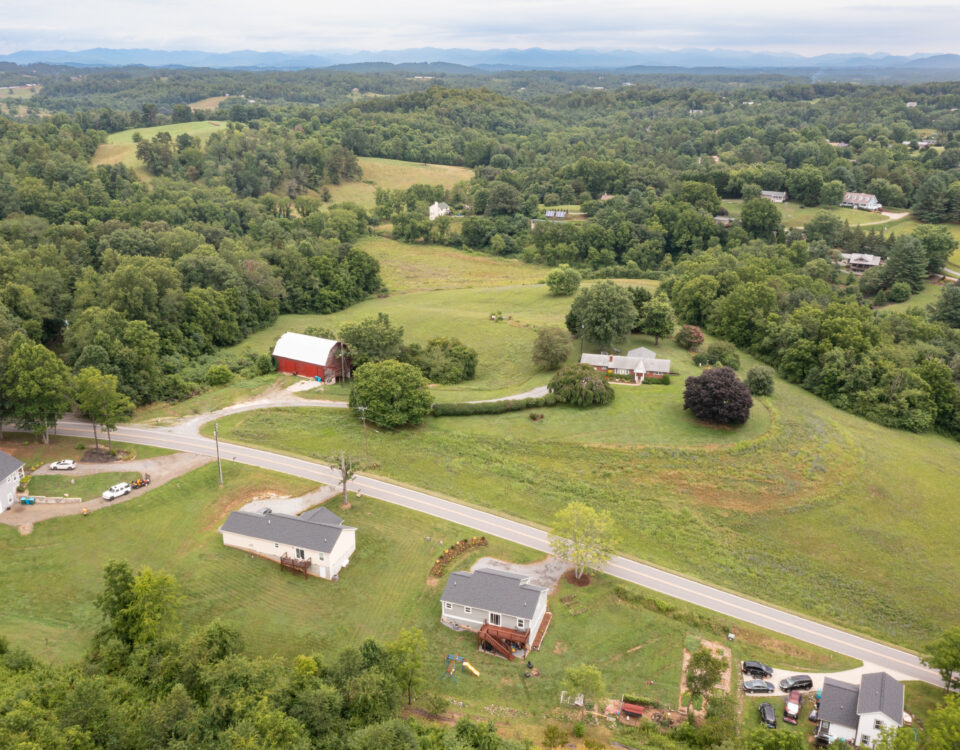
(292, 563)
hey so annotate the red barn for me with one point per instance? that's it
(311, 357)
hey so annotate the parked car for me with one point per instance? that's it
(66, 464)
(758, 686)
(796, 682)
(768, 717)
(118, 490)
(791, 707)
(756, 669)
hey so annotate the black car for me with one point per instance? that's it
(756, 669)
(796, 682)
(758, 686)
(768, 717)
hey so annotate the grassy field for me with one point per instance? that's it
(909, 224)
(54, 574)
(209, 104)
(87, 488)
(928, 295)
(393, 174)
(421, 268)
(18, 92)
(811, 513)
(795, 215)
(120, 148)
(216, 398)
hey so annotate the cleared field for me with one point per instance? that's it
(421, 268)
(54, 574)
(120, 148)
(18, 92)
(209, 104)
(812, 514)
(393, 174)
(795, 215)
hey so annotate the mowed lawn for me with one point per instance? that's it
(393, 174)
(795, 215)
(54, 575)
(421, 268)
(821, 512)
(120, 148)
(927, 296)
(87, 488)
(34, 453)
(910, 225)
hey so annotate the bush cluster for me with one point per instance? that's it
(467, 409)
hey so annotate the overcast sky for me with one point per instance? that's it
(805, 27)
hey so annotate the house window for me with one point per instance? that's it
(878, 724)
(300, 555)
(494, 618)
(447, 605)
(276, 545)
(865, 739)
(468, 610)
(320, 556)
(519, 623)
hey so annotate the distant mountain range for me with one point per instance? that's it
(468, 60)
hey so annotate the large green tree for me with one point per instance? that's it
(394, 393)
(907, 262)
(938, 243)
(407, 653)
(658, 319)
(603, 313)
(38, 386)
(99, 399)
(372, 339)
(943, 655)
(760, 218)
(551, 348)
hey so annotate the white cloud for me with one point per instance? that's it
(813, 26)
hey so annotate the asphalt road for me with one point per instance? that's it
(902, 664)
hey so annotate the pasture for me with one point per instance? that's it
(393, 174)
(209, 104)
(54, 574)
(119, 148)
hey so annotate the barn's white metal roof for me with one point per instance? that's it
(303, 348)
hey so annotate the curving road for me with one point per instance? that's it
(902, 664)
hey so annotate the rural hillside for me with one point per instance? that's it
(468, 406)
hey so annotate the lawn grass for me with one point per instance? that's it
(927, 296)
(910, 225)
(34, 453)
(86, 488)
(216, 398)
(54, 574)
(811, 514)
(920, 699)
(393, 174)
(420, 268)
(795, 215)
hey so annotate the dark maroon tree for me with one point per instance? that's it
(718, 396)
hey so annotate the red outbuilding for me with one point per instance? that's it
(311, 357)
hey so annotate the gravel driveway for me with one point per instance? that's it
(546, 572)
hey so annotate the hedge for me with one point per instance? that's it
(466, 409)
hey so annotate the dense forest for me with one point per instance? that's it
(145, 281)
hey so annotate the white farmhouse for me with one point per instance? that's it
(774, 196)
(862, 201)
(504, 609)
(439, 208)
(316, 543)
(11, 472)
(859, 714)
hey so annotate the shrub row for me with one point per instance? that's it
(672, 611)
(452, 553)
(466, 409)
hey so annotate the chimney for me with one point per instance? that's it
(611, 358)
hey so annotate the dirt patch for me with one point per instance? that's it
(24, 529)
(103, 456)
(635, 648)
(571, 577)
(559, 647)
(432, 582)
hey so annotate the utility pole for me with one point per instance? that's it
(216, 437)
(363, 418)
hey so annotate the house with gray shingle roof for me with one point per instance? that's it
(317, 540)
(492, 597)
(858, 714)
(11, 472)
(638, 364)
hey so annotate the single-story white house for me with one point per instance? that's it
(858, 714)
(316, 542)
(439, 208)
(774, 196)
(502, 608)
(11, 472)
(860, 262)
(862, 201)
(639, 363)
